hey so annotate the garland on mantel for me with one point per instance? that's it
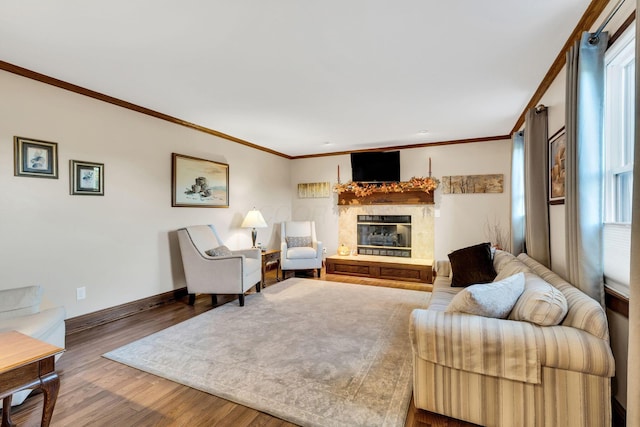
(360, 189)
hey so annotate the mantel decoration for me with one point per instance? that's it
(361, 189)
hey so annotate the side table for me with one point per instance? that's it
(26, 362)
(269, 257)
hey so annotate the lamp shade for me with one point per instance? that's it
(254, 219)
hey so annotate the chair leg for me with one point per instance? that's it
(319, 272)
(214, 300)
(258, 287)
(241, 300)
(192, 299)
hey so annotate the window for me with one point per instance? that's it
(618, 158)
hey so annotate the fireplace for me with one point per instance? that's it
(384, 235)
(415, 236)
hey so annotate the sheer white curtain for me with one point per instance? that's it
(633, 362)
(583, 164)
(517, 194)
(536, 181)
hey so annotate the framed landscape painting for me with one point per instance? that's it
(557, 150)
(199, 182)
(35, 158)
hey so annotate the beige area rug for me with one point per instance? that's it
(311, 352)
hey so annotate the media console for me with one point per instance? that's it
(392, 268)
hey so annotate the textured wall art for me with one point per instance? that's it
(468, 184)
(314, 190)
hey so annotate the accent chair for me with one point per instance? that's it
(299, 247)
(211, 268)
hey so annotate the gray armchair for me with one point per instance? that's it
(211, 268)
(300, 249)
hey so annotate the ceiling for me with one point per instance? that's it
(303, 77)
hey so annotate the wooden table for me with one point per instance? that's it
(270, 256)
(26, 362)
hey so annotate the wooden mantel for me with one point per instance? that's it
(406, 197)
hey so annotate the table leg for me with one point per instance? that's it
(50, 387)
(6, 412)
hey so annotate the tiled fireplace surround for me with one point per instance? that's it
(422, 224)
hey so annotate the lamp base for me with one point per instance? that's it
(254, 235)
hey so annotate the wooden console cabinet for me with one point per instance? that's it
(392, 268)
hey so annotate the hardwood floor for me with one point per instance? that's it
(96, 391)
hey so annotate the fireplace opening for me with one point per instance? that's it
(384, 235)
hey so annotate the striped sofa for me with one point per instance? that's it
(498, 372)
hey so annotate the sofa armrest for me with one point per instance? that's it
(442, 268)
(573, 349)
(495, 347)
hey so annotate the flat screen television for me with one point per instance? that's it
(375, 166)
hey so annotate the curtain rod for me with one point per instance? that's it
(595, 36)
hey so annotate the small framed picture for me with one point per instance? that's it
(86, 178)
(35, 158)
(557, 154)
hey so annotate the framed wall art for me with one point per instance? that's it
(199, 182)
(557, 150)
(35, 158)
(314, 190)
(86, 178)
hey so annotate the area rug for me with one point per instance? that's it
(311, 352)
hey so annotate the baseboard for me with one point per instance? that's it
(100, 317)
(619, 414)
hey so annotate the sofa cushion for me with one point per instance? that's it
(298, 241)
(495, 299)
(540, 303)
(219, 251)
(20, 301)
(509, 268)
(472, 265)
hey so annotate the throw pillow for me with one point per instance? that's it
(495, 299)
(299, 241)
(540, 303)
(472, 265)
(219, 251)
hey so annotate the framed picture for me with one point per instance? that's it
(86, 178)
(35, 158)
(557, 150)
(199, 182)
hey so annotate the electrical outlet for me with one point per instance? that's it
(324, 250)
(81, 293)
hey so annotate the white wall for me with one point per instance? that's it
(462, 217)
(122, 246)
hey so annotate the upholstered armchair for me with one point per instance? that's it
(26, 311)
(300, 249)
(211, 268)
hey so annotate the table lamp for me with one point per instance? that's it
(253, 220)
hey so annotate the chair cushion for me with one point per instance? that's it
(304, 252)
(540, 303)
(20, 301)
(219, 251)
(495, 299)
(298, 241)
(472, 265)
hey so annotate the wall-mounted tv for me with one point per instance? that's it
(375, 166)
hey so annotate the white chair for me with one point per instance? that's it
(24, 310)
(211, 268)
(300, 249)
